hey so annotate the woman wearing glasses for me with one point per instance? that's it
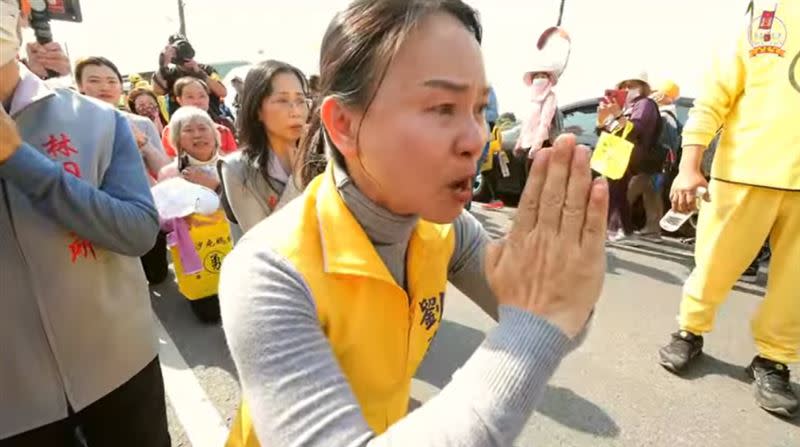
(259, 179)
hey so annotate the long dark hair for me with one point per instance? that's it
(357, 50)
(252, 133)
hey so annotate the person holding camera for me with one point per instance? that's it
(177, 61)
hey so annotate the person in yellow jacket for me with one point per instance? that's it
(753, 94)
(330, 304)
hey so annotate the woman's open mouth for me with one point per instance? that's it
(462, 189)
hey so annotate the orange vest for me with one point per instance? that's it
(378, 332)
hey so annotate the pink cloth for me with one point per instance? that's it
(536, 128)
(178, 234)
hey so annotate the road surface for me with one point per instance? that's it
(610, 392)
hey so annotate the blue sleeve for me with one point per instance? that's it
(153, 136)
(119, 216)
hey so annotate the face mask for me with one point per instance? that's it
(633, 93)
(9, 37)
(540, 86)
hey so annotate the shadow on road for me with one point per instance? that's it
(455, 343)
(683, 258)
(565, 407)
(616, 263)
(200, 344)
(569, 409)
(495, 230)
(708, 365)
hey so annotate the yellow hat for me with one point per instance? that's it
(670, 89)
(143, 84)
(134, 78)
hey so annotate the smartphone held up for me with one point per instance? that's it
(617, 97)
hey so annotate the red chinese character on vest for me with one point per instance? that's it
(80, 248)
(72, 168)
(62, 146)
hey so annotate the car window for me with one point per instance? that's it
(582, 123)
(683, 106)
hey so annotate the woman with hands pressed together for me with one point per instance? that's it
(330, 304)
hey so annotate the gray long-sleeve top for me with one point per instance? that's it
(265, 299)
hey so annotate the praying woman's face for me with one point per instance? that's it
(415, 149)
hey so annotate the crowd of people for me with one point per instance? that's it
(344, 193)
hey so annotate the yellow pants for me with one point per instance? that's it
(730, 231)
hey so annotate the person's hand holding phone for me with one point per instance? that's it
(607, 110)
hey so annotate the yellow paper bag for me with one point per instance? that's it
(612, 154)
(212, 240)
(495, 146)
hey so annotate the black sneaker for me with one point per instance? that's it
(751, 274)
(772, 389)
(684, 347)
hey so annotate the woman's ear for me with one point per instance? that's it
(339, 122)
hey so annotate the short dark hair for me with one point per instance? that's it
(95, 61)
(181, 84)
(357, 49)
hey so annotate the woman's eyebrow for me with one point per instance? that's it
(453, 86)
(446, 84)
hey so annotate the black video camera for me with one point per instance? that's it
(183, 49)
(41, 12)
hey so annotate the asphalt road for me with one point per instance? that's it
(610, 392)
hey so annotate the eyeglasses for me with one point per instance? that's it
(303, 104)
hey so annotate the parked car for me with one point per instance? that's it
(580, 118)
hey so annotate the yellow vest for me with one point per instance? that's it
(378, 332)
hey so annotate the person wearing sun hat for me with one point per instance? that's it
(542, 124)
(642, 113)
(649, 185)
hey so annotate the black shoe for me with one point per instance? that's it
(684, 347)
(772, 389)
(751, 274)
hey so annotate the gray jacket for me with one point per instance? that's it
(248, 198)
(77, 321)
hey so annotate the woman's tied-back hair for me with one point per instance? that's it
(181, 84)
(184, 116)
(357, 49)
(252, 133)
(97, 61)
